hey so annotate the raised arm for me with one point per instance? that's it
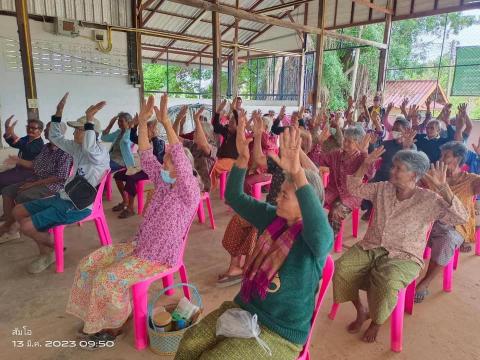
(217, 127)
(106, 136)
(355, 184)
(180, 120)
(56, 135)
(243, 204)
(199, 136)
(10, 137)
(259, 157)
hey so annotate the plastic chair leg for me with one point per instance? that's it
(168, 281)
(338, 245)
(396, 329)
(257, 191)
(210, 213)
(140, 303)
(100, 231)
(223, 185)
(58, 241)
(108, 186)
(410, 297)
(447, 276)
(184, 278)
(455, 259)
(427, 253)
(201, 212)
(355, 222)
(333, 311)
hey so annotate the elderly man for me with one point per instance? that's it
(390, 255)
(51, 169)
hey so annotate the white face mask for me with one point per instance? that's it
(396, 135)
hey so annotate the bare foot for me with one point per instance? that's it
(371, 334)
(355, 326)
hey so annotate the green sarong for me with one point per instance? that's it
(373, 271)
(200, 342)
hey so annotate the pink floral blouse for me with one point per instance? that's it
(160, 236)
(401, 226)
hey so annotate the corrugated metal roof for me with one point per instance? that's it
(417, 91)
(114, 12)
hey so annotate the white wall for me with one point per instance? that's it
(84, 90)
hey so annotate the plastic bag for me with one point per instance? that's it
(238, 323)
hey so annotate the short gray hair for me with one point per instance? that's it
(402, 122)
(356, 133)
(434, 122)
(458, 149)
(314, 180)
(128, 118)
(416, 161)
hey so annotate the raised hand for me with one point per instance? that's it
(445, 114)
(10, 128)
(363, 145)
(408, 138)
(61, 105)
(257, 125)
(283, 109)
(162, 112)
(221, 106)
(413, 115)
(374, 156)
(300, 112)
(198, 114)
(403, 106)
(241, 140)
(290, 151)
(92, 110)
(436, 177)
(182, 115)
(390, 107)
(146, 110)
(324, 134)
(462, 109)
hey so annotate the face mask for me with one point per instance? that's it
(333, 131)
(396, 135)
(166, 177)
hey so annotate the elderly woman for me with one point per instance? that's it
(403, 139)
(390, 255)
(101, 288)
(240, 235)
(282, 274)
(28, 147)
(341, 164)
(227, 152)
(446, 238)
(51, 168)
(127, 183)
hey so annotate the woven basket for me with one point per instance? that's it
(166, 343)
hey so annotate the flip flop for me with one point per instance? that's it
(420, 296)
(126, 213)
(229, 280)
(118, 207)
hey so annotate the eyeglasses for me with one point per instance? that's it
(33, 128)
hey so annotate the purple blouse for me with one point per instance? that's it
(170, 213)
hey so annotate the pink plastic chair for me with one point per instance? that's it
(404, 304)
(338, 243)
(201, 212)
(108, 186)
(447, 270)
(223, 184)
(140, 186)
(140, 296)
(327, 275)
(97, 215)
(256, 189)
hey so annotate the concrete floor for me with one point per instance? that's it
(445, 327)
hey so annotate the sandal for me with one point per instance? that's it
(126, 213)
(229, 280)
(421, 295)
(118, 207)
(465, 248)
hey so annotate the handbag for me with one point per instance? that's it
(81, 192)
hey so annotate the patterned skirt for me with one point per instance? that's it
(200, 342)
(239, 238)
(100, 294)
